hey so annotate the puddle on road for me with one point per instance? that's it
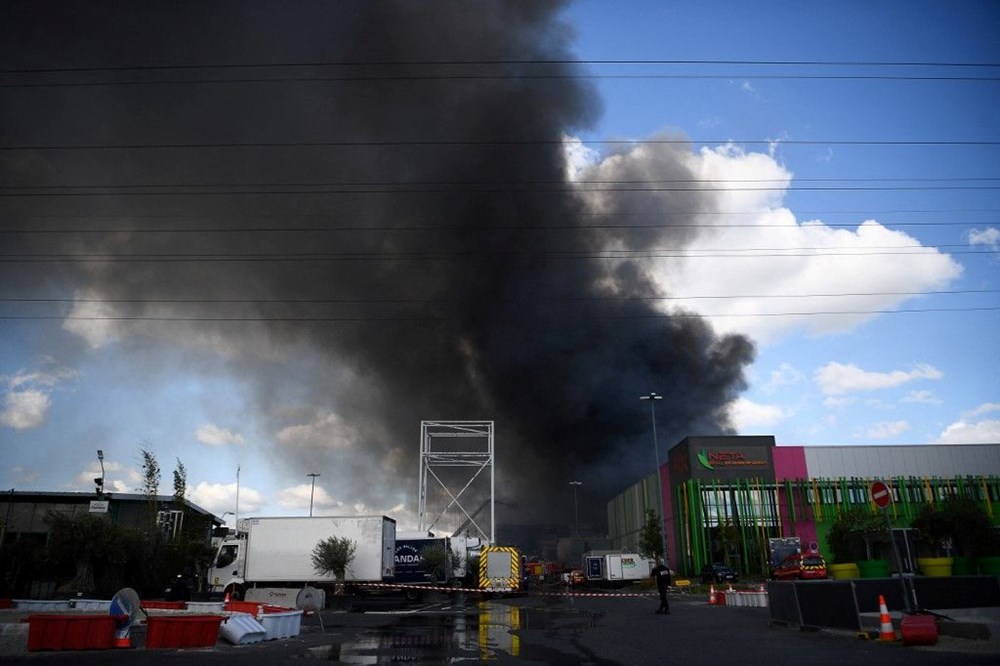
(483, 634)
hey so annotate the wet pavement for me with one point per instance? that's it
(545, 629)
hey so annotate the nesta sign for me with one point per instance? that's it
(728, 459)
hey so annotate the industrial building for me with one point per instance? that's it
(724, 497)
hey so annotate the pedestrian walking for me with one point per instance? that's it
(662, 576)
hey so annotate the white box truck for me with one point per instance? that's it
(277, 552)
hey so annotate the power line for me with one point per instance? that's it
(495, 142)
(305, 189)
(915, 250)
(439, 318)
(410, 301)
(505, 62)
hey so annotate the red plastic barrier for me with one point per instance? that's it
(71, 632)
(919, 630)
(162, 605)
(254, 607)
(182, 631)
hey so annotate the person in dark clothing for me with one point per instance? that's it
(662, 575)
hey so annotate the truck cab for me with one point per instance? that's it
(226, 575)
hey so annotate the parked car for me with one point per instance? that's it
(718, 573)
(800, 566)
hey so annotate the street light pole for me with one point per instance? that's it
(653, 397)
(576, 512)
(312, 491)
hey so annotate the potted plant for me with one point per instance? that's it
(841, 541)
(936, 538)
(955, 534)
(853, 537)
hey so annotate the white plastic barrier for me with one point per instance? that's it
(206, 606)
(746, 599)
(241, 629)
(99, 605)
(282, 625)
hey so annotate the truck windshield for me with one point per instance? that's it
(227, 555)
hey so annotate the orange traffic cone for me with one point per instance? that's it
(712, 601)
(886, 631)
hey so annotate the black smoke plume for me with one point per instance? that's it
(385, 194)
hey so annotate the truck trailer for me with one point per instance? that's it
(615, 568)
(277, 552)
(411, 566)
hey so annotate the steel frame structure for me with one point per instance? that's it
(478, 462)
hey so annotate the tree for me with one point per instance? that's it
(333, 555)
(434, 559)
(956, 522)
(93, 546)
(150, 481)
(651, 536)
(180, 483)
(855, 529)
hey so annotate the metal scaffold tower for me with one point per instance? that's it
(458, 444)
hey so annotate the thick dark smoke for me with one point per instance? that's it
(457, 268)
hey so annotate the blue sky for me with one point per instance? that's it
(895, 240)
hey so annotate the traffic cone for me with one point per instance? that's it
(123, 639)
(762, 588)
(711, 596)
(226, 598)
(886, 631)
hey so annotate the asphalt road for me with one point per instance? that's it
(550, 629)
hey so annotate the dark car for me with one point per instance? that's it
(717, 573)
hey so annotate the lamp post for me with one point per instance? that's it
(576, 512)
(100, 482)
(312, 491)
(653, 397)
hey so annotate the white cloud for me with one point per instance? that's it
(755, 268)
(213, 435)
(27, 399)
(746, 414)
(838, 378)
(986, 431)
(326, 431)
(297, 498)
(839, 402)
(921, 397)
(785, 375)
(985, 408)
(94, 322)
(887, 429)
(24, 409)
(989, 236)
(221, 497)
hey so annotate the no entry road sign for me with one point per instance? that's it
(881, 495)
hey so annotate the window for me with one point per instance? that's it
(227, 555)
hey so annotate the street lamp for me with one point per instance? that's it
(653, 397)
(576, 513)
(100, 481)
(312, 491)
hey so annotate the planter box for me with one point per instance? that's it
(41, 605)
(241, 629)
(71, 632)
(844, 571)
(935, 566)
(282, 624)
(873, 568)
(989, 566)
(182, 631)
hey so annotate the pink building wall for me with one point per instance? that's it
(790, 463)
